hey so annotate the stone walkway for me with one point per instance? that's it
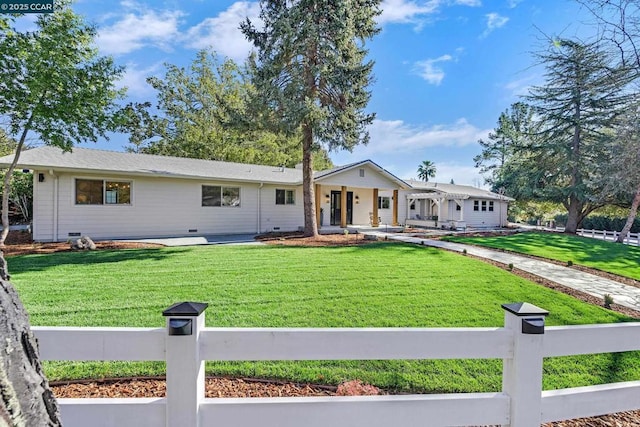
(626, 295)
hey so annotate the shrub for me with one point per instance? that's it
(608, 300)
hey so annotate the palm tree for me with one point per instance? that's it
(426, 170)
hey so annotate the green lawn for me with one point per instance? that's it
(623, 260)
(379, 285)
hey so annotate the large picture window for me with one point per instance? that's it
(215, 195)
(285, 197)
(102, 192)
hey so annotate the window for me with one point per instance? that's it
(285, 197)
(476, 205)
(458, 208)
(484, 206)
(384, 202)
(490, 206)
(102, 192)
(214, 195)
(361, 171)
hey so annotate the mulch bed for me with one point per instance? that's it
(19, 243)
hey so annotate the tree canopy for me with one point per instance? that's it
(554, 150)
(426, 170)
(54, 85)
(207, 111)
(311, 67)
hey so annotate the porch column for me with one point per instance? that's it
(374, 220)
(318, 204)
(394, 220)
(343, 207)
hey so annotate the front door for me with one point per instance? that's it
(336, 207)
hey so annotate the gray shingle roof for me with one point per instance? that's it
(455, 189)
(92, 160)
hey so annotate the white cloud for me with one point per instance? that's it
(406, 11)
(514, 3)
(222, 33)
(494, 21)
(139, 28)
(431, 72)
(135, 79)
(520, 87)
(396, 135)
(470, 3)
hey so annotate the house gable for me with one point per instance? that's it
(364, 174)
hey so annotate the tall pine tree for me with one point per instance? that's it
(312, 69)
(583, 95)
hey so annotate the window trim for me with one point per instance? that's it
(104, 182)
(286, 199)
(381, 202)
(222, 189)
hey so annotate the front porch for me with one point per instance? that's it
(436, 210)
(354, 208)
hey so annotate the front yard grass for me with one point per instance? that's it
(623, 260)
(377, 285)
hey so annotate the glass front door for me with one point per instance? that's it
(336, 207)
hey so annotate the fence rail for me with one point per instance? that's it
(612, 236)
(185, 344)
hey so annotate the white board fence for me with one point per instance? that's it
(522, 343)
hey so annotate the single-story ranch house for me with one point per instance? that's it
(110, 195)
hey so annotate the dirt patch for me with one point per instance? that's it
(20, 243)
(214, 387)
(298, 239)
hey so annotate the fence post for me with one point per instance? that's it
(522, 374)
(185, 369)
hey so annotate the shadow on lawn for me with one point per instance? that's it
(40, 262)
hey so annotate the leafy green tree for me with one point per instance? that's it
(205, 112)
(515, 127)
(622, 174)
(582, 97)
(312, 69)
(426, 170)
(54, 86)
(618, 23)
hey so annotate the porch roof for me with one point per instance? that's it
(435, 195)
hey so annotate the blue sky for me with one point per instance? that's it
(444, 69)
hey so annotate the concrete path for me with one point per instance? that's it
(235, 239)
(626, 295)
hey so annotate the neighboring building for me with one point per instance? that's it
(432, 204)
(110, 195)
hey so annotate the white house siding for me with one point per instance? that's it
(43, 206)
(351, 178)
(159, 207)
(481, 219)
(280, 217)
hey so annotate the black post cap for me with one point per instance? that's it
(186, 309)
(524, 309)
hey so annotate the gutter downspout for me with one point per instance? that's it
(259, 224)
(56, 184)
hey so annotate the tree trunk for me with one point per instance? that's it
(7, 190)
(632, 216)
(573, 215)
(27, 399)
(310, 222)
